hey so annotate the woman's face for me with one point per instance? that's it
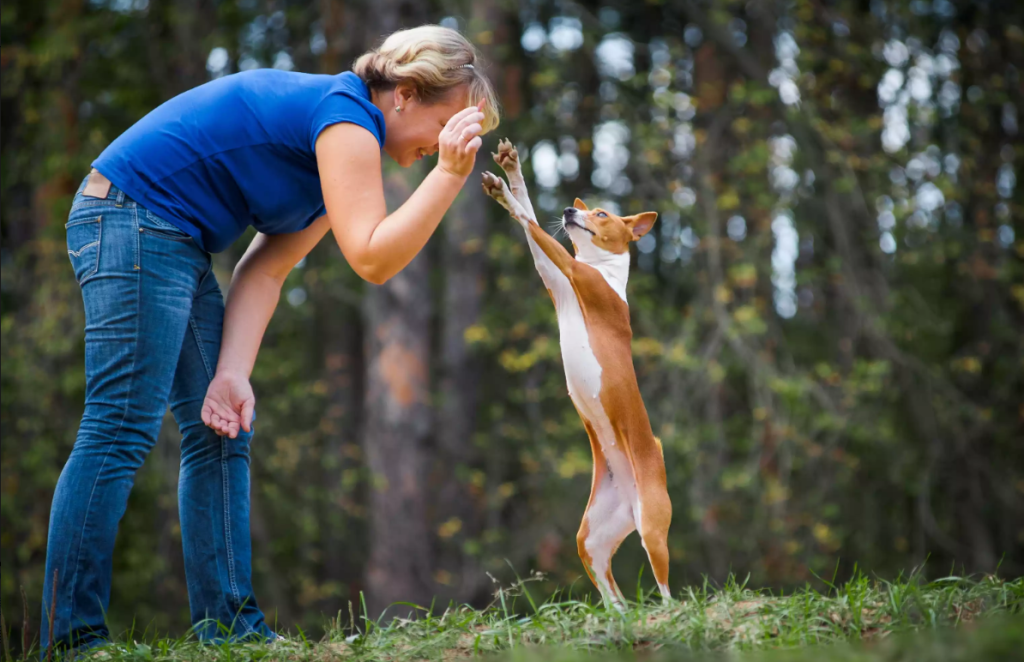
(412, 132)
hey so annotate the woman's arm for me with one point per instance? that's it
(255, 290)
(376, 244)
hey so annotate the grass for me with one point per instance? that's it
(948, 619)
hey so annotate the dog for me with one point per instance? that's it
(628, 490)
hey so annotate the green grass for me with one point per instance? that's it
(949, 619)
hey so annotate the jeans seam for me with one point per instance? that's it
(227, 537)
(120, 425)
(226, 492)
(199, 342)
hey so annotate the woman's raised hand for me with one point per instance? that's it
(460, 139)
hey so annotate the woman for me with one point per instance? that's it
(296, 156)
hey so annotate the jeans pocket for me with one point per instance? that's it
(154, 225)
(83, 237)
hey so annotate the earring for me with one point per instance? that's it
(398, 109)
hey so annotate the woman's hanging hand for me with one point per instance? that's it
(460, 139)
(229, 405)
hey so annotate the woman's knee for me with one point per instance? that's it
(113, 434)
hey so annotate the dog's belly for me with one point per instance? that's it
(583, 375)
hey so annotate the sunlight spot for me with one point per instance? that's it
(615, 57)
(534, 37)
(887, 243)
(545, 164)
(217, 62)
(736, 228)
(566, 33)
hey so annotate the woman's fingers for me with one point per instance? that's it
(453, 122)
(224, 427)
(473, 145)
(225, 414)
(467, 114)
(460, 139)
(465, 136)
(452, 128)
(473, 119)
(457, 127)
(246, 421)
(468, 132)
(219, 418)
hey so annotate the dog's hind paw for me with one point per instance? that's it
(507, 156)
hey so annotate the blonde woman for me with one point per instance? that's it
(296, 156)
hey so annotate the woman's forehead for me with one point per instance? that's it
(456, 100)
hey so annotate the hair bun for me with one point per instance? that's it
(435, 60)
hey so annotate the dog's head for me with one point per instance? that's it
(597, 232)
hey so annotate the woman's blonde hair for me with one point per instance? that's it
(435, 60)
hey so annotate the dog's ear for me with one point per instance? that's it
(579, 204)
(641, 224)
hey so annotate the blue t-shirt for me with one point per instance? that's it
(238, 151)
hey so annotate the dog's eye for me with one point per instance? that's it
(601, 214)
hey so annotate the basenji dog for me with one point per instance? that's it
(589, 292)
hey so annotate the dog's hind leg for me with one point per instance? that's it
(606, 523)
(653, 517)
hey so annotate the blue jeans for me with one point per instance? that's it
(153, 319)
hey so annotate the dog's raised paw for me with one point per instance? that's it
(493, 186)
(507, 156)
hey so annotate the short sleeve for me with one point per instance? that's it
(340, 107)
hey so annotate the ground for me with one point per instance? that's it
(949, 619)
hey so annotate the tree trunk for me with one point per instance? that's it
(457, 501)
(396, 420)
(397, 428)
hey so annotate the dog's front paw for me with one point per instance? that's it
(507, 156)
(494, 186)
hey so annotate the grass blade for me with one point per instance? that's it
(52, 618)
(24, 624)
(7, 644)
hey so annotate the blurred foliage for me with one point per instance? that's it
(827, 318)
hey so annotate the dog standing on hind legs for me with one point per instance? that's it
(589, 292)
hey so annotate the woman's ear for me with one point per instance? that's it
(404, 94)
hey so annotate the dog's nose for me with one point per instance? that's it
(568, 211)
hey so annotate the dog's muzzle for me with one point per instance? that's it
(569, 218)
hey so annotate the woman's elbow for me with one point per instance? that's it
(366, 265)
(373, 273)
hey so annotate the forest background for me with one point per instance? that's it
(827, 317)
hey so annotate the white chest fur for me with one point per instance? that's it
(583, 375)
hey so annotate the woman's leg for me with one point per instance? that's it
(138, 290)
(213, 490)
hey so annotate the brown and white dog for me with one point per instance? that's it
(589, 292)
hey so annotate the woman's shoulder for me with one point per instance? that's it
(347, 99)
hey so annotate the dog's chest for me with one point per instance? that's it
(583, 372)
(584, 376)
